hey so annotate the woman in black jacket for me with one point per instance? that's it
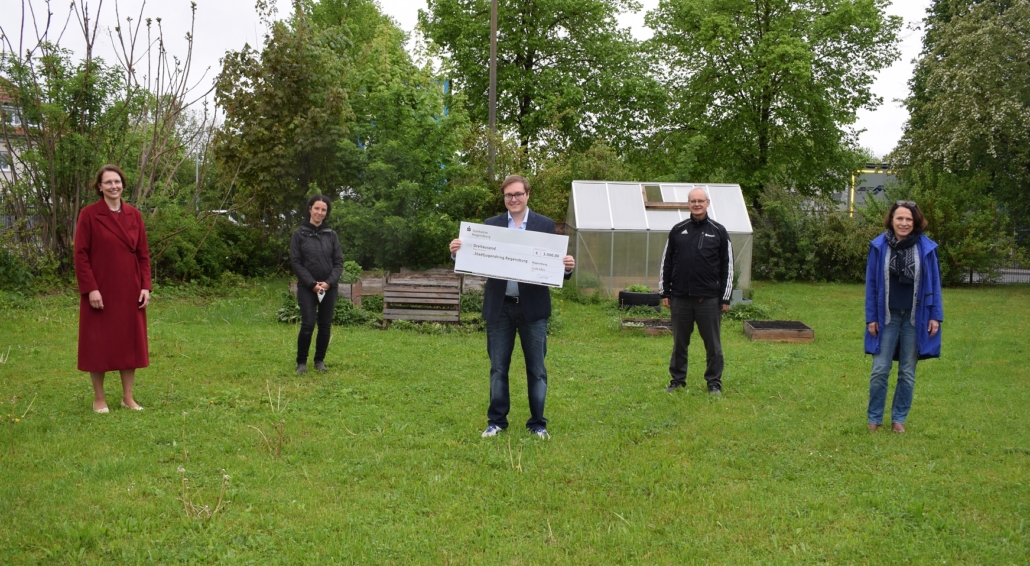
(317, 260)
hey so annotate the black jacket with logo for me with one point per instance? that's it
(697, 261)
(316, 255)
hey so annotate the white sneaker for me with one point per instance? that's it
(541, 432)
(491, 430)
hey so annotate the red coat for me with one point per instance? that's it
(112, 256)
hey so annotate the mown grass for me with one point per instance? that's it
(381, 461)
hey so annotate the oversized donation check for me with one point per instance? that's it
(516, 255)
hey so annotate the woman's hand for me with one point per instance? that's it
(873, 328)
(933, 327)
(455, 246)
(321, 286)
(95, 300)
(144, 298)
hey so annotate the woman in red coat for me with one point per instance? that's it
(112, 266)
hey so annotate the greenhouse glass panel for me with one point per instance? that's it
(592, 207)
(627, 206)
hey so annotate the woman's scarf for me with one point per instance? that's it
(903, 257)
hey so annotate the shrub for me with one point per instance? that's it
(351, 273)
(752, 311)
(346, 314)
(372, 303)
(806, 238)
(472, 301)
(15, 274)
(638, 289)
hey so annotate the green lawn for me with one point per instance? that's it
(380, 460)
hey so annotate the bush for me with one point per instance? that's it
(372, 303)
(15, 274)
(638, 289)
(351, 273)
(472, 301)
(346, 314)
(752, 311)
(806, 238)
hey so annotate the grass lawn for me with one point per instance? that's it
(380, 460)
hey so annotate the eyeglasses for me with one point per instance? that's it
(908, 203)
(111, 183)
(514, 196)
(695, 201)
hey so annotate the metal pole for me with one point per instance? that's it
(492, 120)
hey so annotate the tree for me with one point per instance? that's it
(287, 117)
(566, 74)
(763, 92)
(65, 119)
(970, 102)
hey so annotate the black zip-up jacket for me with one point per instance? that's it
(316, 255)
(697, 261)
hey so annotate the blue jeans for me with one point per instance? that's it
(901, 334)
(500, 342)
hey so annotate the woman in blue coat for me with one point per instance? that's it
(903, 310)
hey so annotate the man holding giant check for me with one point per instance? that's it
(521, 256)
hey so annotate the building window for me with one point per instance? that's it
(5, 161)
(11, 115)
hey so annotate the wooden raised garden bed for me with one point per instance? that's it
(778, 331)
(649, 326)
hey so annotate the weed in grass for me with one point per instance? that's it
(517, 466)
(275, 444)
(188, 496)
(5, 356)
(13, 419)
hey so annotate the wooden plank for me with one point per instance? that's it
(423, 283)
(427, 318)
(421, 302)
(391, 294)
(392, 310)
(667, 205)
(433, 303)
(392, 287)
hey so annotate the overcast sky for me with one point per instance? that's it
(229, 24)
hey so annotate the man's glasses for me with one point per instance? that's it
(695, 201)
(514, 196)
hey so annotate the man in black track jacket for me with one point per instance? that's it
(696, 283)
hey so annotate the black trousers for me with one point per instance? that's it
(312, 311)
(706, 312)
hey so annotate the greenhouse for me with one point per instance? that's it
(617, 231)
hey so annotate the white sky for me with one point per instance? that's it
(224, 25)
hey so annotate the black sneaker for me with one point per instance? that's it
(302, 369)
(674, 386)
(715, 391)
(320, 366)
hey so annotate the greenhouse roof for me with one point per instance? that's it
(603, 205)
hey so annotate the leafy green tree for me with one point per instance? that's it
(970, 102)
(566, 74)
(763, 92)
(407, 188)
(287, 117)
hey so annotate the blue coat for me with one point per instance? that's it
(927, 304)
